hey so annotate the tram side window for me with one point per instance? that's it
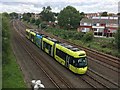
(73, 61)
(61, 54)
(27, 33)
(44, 44)
(32, 36)
(47, 46)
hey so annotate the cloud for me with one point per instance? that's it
(57, 5)
(19, 8)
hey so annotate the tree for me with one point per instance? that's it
(37, 22)
(82, 15)
(32, 20)
(5, 14)
(69, 18)
(55, 14)
(117, 39)
(47, 14)
(104, 14)
(27, 16)
(13, 15)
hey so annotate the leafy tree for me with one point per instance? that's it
(47, 14)
(5, 14)
(104, 14)
(37, 22)
(14, 15)
(117, 39)
(82, 15)
(32, 20)
(55, 14)
(69, 18)
(27, 16)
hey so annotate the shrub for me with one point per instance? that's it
(88, 37)
(78, 35)
(117, 39)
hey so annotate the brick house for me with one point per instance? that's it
(101, 26)
(85, 25)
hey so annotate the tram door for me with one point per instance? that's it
(67, 61)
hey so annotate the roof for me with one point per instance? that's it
(39, 36)
(73, 51)
(102, 20)
(69, 47)
(86, 20)
(52, 39)
(32, 33)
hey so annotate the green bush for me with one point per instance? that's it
(78, 35)
(88, 37)
(5, 41)
(117, 39)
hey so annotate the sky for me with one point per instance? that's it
(35, 6)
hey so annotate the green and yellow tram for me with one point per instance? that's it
(67, 55)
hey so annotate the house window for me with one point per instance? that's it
(94, 24)
(95, 29)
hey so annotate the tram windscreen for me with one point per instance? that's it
(81, 62)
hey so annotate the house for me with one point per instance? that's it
(90, 15)
(101, 26)
(85, 25)
(36, 16)
(119, 20)
(104, 25)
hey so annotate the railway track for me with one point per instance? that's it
(104, 64)
(56, 78)
(95, 82)
(113, 61)
(107, 83)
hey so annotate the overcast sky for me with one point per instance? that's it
(87, 6)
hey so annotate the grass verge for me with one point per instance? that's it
(12, 76)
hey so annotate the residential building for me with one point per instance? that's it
(119, 20)
(36, 16)
(90, 15)
(101, 26)
(85, 25)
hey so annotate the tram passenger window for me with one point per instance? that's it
(27, 33)
(47, 46)
(61, 54)
(73, 61)
(70, 60)
(32, 36)
(44, 44)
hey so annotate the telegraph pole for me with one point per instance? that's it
(119, 14)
